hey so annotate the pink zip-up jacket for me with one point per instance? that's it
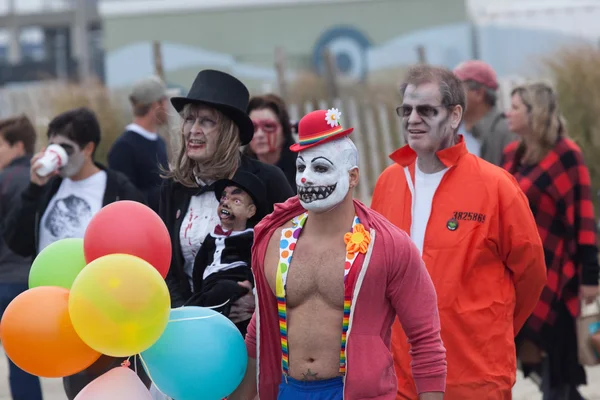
(392, 281)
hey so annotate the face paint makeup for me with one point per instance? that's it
(426, 121)
(75, 153)
(268, 132)
(322, 174)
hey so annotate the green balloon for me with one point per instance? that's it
(58, 264)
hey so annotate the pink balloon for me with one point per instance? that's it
(120, 383)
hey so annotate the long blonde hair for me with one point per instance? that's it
(545, 121)
(224, 161)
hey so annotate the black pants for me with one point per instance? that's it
(560, 370)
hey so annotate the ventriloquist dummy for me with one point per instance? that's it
(224, 257)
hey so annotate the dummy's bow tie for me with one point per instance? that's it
(204, 189)
(219, 231)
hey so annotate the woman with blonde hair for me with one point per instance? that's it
(214, 126)
(550, 169)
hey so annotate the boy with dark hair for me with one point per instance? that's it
(17, 143)
(60, 205)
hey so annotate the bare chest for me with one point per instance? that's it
(316, 271)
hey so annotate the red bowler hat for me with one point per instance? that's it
(318, 127)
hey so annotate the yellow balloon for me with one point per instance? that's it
(119, 305)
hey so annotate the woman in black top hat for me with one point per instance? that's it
(214, 126)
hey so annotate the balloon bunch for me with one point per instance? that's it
(106, 294)
(103, 294)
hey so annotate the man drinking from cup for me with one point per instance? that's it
(66, 189)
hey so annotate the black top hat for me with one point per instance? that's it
(249, 183)
(223, 92)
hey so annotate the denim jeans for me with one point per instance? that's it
(23, 386)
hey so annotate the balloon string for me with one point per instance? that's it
(220, 305)
(150, 376)
(210, 308)
(191, 318)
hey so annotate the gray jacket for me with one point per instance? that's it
(493, 133)
(13, 181)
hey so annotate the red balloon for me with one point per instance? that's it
(128, 227)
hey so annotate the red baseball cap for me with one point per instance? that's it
(478, 71)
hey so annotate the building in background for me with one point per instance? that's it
(49, 39)
(370, 40)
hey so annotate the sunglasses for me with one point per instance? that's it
(267, 126)
(424, 111)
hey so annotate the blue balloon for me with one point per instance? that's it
(197, 358)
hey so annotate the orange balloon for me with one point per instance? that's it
(37, 334)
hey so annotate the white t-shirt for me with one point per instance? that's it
(425, 187)
(71, 209)
(200, 220)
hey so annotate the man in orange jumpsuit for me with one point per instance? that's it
(476, 234)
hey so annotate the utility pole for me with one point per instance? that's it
(14, 46)
(82, 40)
(280, 69)
(158, 60)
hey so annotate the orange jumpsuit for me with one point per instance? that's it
(485, 257)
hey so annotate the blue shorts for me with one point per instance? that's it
(327, 389)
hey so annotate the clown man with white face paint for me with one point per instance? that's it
(331, 277)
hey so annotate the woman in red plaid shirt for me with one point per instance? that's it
(550, 169)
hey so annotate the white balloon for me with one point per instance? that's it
(120, 383)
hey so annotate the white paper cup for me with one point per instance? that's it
(54, 157)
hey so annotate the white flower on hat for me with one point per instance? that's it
(333, 117)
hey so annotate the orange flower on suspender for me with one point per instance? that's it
(358, 240)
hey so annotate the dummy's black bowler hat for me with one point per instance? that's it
(249, 183)
(223, 92)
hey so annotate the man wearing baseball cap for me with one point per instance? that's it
(140, 151)
(483, 123)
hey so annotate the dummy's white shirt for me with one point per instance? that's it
(425, 187)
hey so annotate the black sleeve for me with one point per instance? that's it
(173, 283)
(19, 227)
(121, 159)
(130, 192)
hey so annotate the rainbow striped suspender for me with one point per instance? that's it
(287, 244)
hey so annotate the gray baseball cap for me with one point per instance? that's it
(148, 90)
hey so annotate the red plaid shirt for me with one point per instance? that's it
(559, 193)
